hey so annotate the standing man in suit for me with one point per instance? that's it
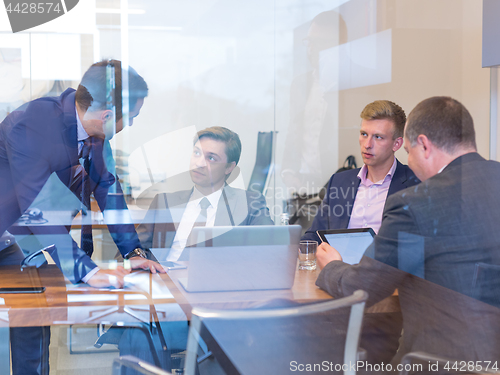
(356, 198)
(58, 135)
(211, 202)
(67, 135)
(432, 239)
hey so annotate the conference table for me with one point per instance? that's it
(65, 303)
(304, 290)
(145, 298)
(272, 346)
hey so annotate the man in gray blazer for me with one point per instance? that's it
(171, 216)
(434, 240)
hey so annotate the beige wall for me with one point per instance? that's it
(436, 50)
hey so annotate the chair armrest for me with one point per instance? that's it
(137, 365)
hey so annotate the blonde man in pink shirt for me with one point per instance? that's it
(356, 198)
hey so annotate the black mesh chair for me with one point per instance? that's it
(263, 162)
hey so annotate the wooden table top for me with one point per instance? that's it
(63, 303)
(303, 290)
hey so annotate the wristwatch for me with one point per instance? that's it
(137, 252)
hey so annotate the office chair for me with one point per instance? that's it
(263, 162)
(278, 332)
(122, 308)
(130, 362)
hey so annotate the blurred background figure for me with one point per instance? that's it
(307, 161)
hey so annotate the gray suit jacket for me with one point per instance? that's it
(431, 238)
(166, 210)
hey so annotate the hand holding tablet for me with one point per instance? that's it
(326, 254)
(350, 243)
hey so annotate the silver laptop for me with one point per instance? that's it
(244, 258)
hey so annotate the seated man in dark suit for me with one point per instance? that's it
(432, 238)
(356, 198)
(211, 202)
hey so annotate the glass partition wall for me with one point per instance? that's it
(301, 69)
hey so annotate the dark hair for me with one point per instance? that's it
(93, 89)
(230, 138)
(385, 109)
(445, 122)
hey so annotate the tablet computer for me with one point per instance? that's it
(350, 243)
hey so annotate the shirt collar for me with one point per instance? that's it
(80, 130)
(213, 198)
(444, 166)
(363, 174)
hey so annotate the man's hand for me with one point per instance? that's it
(106, 278)
(146, 264)
(325, 254)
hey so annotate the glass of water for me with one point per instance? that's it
(307, 255)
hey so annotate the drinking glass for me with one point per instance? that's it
(307, 255)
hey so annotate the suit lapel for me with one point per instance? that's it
(346, 202)
(70, 138)
(176, 204)
(222, 214)
(237, 207)
(398, 182)
(349, 203)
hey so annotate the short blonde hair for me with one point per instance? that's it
(385, 109)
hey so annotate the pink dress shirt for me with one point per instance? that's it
(370, 200)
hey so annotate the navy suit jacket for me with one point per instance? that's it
(38, 139)
(335, 211)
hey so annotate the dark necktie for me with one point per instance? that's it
(201, 221)
(87, 244)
